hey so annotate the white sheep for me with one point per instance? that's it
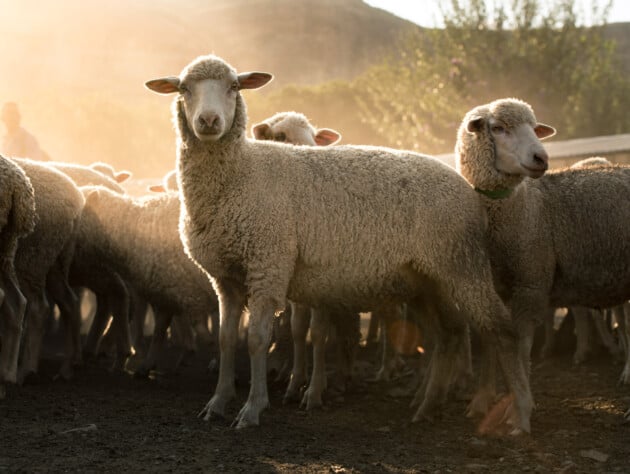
(43, 259)
(17, 220)
(111, 292)
(149, 255)
(109, 171)
(345, 226)
(294, 128)
(558, 238)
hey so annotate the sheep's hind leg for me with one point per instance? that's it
(445, 361)
(12, 310)
(300, 319)
(319, 333)
(232, 297)
(262, 311)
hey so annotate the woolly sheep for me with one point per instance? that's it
(149, 255)
(169, 184)
(43, 259)
(269, 222)
(557, 238)
(111, 291)
(17, 220)
(109, 171)
(294, 128)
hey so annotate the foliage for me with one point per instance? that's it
(544, 55)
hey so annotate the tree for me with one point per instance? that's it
(547, 55)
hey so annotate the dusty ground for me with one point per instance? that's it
(125, 424)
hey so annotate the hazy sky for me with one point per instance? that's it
(425, 12)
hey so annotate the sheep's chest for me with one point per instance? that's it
(213, 242)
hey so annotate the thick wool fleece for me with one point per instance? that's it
(149, 253)
(58, 203)
(559, 240)
(86, 176)
(17, 208)
(343, 226)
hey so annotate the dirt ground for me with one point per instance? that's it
(105, 421)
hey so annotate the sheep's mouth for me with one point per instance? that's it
(534, 172)
(208, 136)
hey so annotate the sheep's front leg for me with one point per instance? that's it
(319, 333)
(300, 320)
(581, 316)
(232, 297)
(622, 313)
(258, 339)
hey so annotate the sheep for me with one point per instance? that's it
(557, 238)
(295, 129)
(269, 221)
(111, 291)
(109, 171)
(169, 184)
(17, 220)
(87, 175)
(43, 259)
(149, 255)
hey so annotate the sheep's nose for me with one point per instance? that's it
(210, 121)
(541, 159)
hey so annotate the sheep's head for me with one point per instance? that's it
(208, 94)
(294, 128)
(498, 144)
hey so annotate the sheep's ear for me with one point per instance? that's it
(262, 131)
(475, 123)
(91, 197)
(544, 131)
(253, 80)
(163, 85)
(157, 188)
(122, 176)
(327, 136)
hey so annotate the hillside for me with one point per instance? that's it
(77, 68)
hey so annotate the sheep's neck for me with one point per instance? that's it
(495, 193)
(214, 166)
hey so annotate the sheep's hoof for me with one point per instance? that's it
(248, 416)
(214, 409)
(423, 415)
(480, 404)
(310, 401)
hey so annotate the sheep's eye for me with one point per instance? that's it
(498, 129)
(234, 86)
(280, 137)
(183, 89)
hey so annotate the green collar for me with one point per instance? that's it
(496, 193)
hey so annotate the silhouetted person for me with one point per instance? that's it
(18, 141)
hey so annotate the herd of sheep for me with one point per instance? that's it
(256, 224)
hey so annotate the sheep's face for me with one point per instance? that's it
(296, 130)
(518, 150)
(209, 105)
(208, 90)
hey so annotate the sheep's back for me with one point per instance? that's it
(589, 214)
